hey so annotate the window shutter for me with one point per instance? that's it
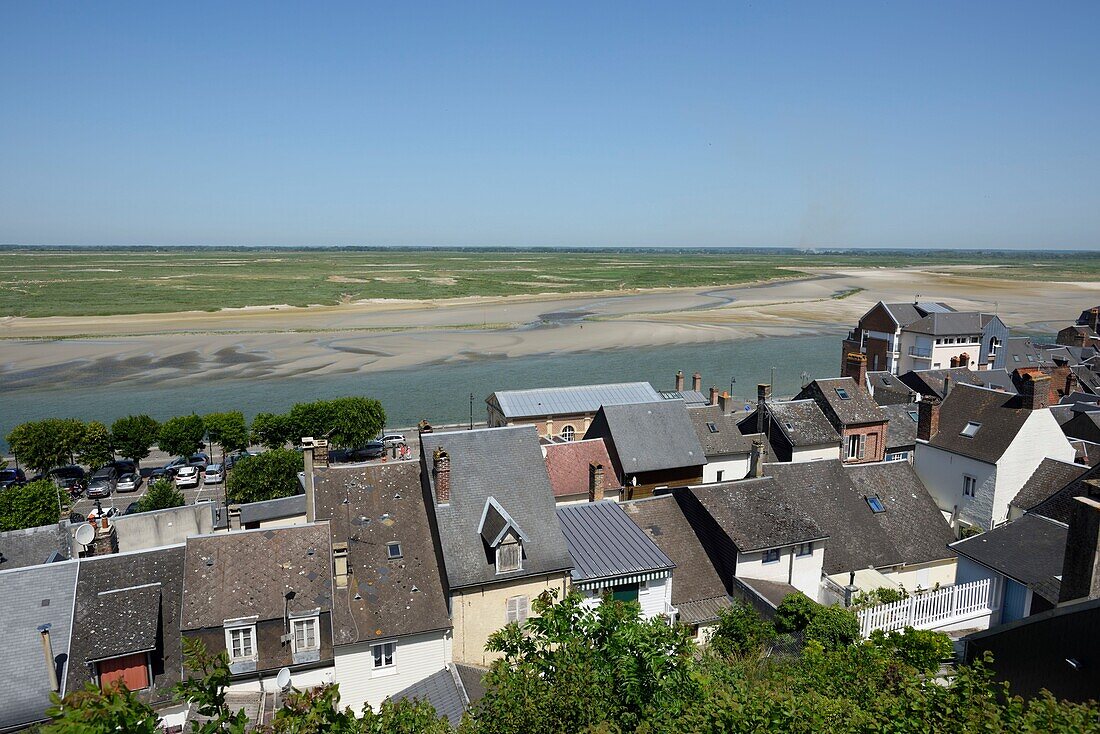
(862, 444)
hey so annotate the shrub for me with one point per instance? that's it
(30, 505)
(161, 495)
(795, 613)
(265, 476)
(923, 649)
(740, 630)
(833, 627)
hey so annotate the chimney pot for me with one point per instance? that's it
(713, 395)
(697, 382)
(928, 418)
(47, 653)
(756, 458)
(855, 366)
(679, 380)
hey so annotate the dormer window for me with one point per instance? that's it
(509, 556)
(502, 537)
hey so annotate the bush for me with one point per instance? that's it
(923, 649)
(740, 630)
(833, 627)
(265, 476)
(161, 495)
(30, 505)
(881, 595)
(795, 613)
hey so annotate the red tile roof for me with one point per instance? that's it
(568, 465)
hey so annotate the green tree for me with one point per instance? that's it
(95, 711)
(160, 495)
(31, 505)
(182, 435)
(206, 691)
(43, 445)
(347, 422)
(265, 476)
(795, 613)
(134, 436)
(228, 430)
(95, 446)
(272, 430)
(740, 631)
(833, 627)
(922, 649)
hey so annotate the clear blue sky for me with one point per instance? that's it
(892, 124)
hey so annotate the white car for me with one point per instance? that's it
(392, 439)
(187, 476)
(214, 474)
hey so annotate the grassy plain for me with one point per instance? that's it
(37, 282)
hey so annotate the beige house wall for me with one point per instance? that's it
(479, 611)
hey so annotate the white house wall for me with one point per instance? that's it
(734, 466)
(815, 453)
(652, 598)
(803, 573)
(1040, 437)
(415, 658)
(923, 575)
(942, 473)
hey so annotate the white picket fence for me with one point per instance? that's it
(930, 609)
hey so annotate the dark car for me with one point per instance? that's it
(12, 477)
(133, 507)
(235, 457)
(103, 482)
(125, 466)
(70, 477)
(373, 450)
(158, 472)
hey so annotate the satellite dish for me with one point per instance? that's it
(282, 679)
(85, 534)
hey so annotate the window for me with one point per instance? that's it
(240, 642)
(382, 655)
(971, 429)
(1031, 358)
(568, 433)
(805, 549)
(712, 428)
(516, 610)
(771, 556)
(914, 415)
(970, 486)
(843, 393)
(856, 446)
(876, 504)
(509, 557)
(393, 550)
(1015, 358)
(718, 476)
(305, 634)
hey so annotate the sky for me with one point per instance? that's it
(835, 124)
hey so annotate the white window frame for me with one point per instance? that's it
(233, 628)
(719, 474)
(378, 657)
(516, 609)
(970, 486)
(568, 433)
(766, 557)
(858, 442)
(315, 623)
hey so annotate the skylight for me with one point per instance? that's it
(971, 429)
(393, 550)
(912, 414)
(712, 428)
(876, 505)
(843, 393)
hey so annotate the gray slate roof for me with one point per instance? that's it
(506, 464)
(950, 324)
(726, 439)
(691, 398)
(931, 382)
(604, 543)
(757, 515)
(570, 400)
(649, 436)
(443, 690)
(857, 409)
(32, 546)
(887, 389)
(1029, 550)
(1000, 417)
(1048, 478)
(33, 596)
(1059, 506)
(273, 509)
(906, 313)
(802, 422)
(901, 431)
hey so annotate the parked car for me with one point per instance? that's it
(199, 458)
(393, 439)
(179, 461)
(133, 508)
(373, 450)
(125, 466)
(188, 476)
(235, 457)
(12, 477)
(214, 474)
(103, 482)
(70, 477)
(159, 472)
(129, 482)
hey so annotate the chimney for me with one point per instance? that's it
(697, 382)
(964, 360)
(954, 362)
(855, 366)
(947, 385)
(928, 418)
(762, 393)
(756, 458)
(595, 482)
(340, 564)
(47, 652)
(105, 541)
(713, 395)
(679, 380)
(1071, 383)
(307, 476)
(320, 453)
(725, 402)
(234, 512)
(1034, 391)
(1081, 564)
(1093, 320)
(441, 471)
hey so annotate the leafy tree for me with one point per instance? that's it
(31, 505)
(347, 422)
(404, 717)
(43, 445)
(182, 435)
(94, 711)
(272, 430)
(833, 627)
(95, 446)
(795, 613)
(160, 495)
(134, 436)
(265, 476)
(740, 631)
(228, 430)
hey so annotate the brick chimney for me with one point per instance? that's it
(441, 471)
(763, 391)
(595, 482)
(1081, 564)
(679, 380)
(964, 360)
(106, 539)
(697, 382)
(756, 458)
(928, 418)
(1093, 320)
(855, 366)
(1071, 383)
(725, 402)
(713, 395)
(1034, 390)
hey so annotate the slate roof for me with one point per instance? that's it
(246, 573)
(906, 313)
(1000, 417)
(1059, 506)
(887, 389)
(32, 546)
(1020, 351)
(443, 690)
(901, 431)
(128, 603)
(568, 464)
(691, 398)
(570, 400)
(1088, 453)
(949, 324)
(273, 509)
(1050, 476)
(33, 595)
(857, 409)
(604, 543)
(801, 421)
(472, 679)
(649, 436)
(932, 382)
(756, 515)
(773, 592)
(1029, 550)
(369, 506)
(506, 464)
(697, 587)
(726, 439)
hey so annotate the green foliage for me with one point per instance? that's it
(160, 495)
(348, 422)
(403, 717)
(134, 436)
(881, 595)
(795, 613)
(31, 505)
(43, 445)
(182, 435)
(206, 690)
(95, 446)
(922, 649)
(228, 430)
(740, 631)
(265, 476)
(833, 627)
(272, 430)
(92, 711)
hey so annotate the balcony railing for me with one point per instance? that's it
(930, 609)
(925, 352)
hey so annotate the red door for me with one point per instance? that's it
(131, 670)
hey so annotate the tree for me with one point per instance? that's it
(95, 711)
(134, 436)
(228, 430)
(43, 445)
(833, 627)
(30, 505)
(207, 691)
(95, 446)
(794, 613)
(348, 422)
(740, 631)
(271, 430)
(182, 435)
(161, 495)
(265, 476)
